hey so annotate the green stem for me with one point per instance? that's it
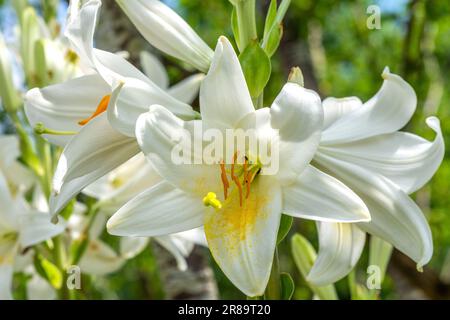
(273, 290)
(245, 13)
(60, 257)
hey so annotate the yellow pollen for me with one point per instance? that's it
(102, 106)
(210, 200)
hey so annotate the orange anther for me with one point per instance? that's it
(102, 106)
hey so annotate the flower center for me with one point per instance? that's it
(241, 175)
(102, 106)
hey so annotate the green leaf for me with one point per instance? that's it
(287, 286)
(235, 28)
(48, 271)
(271, 16)
(304, 257)
(256, 67)
(285, 227)
(274, 39)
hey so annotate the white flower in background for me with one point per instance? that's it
(168, 32)
(113, 191)
(19, 178)
(103, 140)
(21, 226)
(239, 207)
(362, 147)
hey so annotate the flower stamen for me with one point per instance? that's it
(102, 106)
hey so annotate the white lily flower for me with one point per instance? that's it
(103, 140)
(239, 205)
(123, 184)
(362, 147)
(20, 228)
(168, 32)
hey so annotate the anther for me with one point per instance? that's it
(102, 106)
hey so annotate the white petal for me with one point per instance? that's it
(39, 289)
(341, 245)
(297, 114)
(160, 210)
(335, 108)
(168, 32)
(36, 227)
(123, 183)
(394, 216)
(8, 206)
(318, 196)
(187, 90)
(100, 259)
(386, 112)
(160, 134)
(406, 159)
(242, 239)
(6, 277)
(80, 32)
(154, 69)
(196, 236)
(81, 28)
(134, 97)
(114, 68)
(224, 95)
(9, 149)
(93, 152)
(167, 243)
(61, 106)
(130, 247)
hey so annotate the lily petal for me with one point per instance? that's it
(36, 227)
(187, 90)
(100, 259)
(9, 149)
(93, 152)
(160, 134)
(224, 95)
(341, 245)
(134, 97)
(130, 247)
(123, 183)
(242, 239)
(80, 32)
(386, 112)
(297, 114)
(335, 108)
(406, 159)
(395, 217)
(154, 69)
(6, 277)
(168, 32)
(60, 107)
(318, 196)
(160, 210)
(180, 257)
